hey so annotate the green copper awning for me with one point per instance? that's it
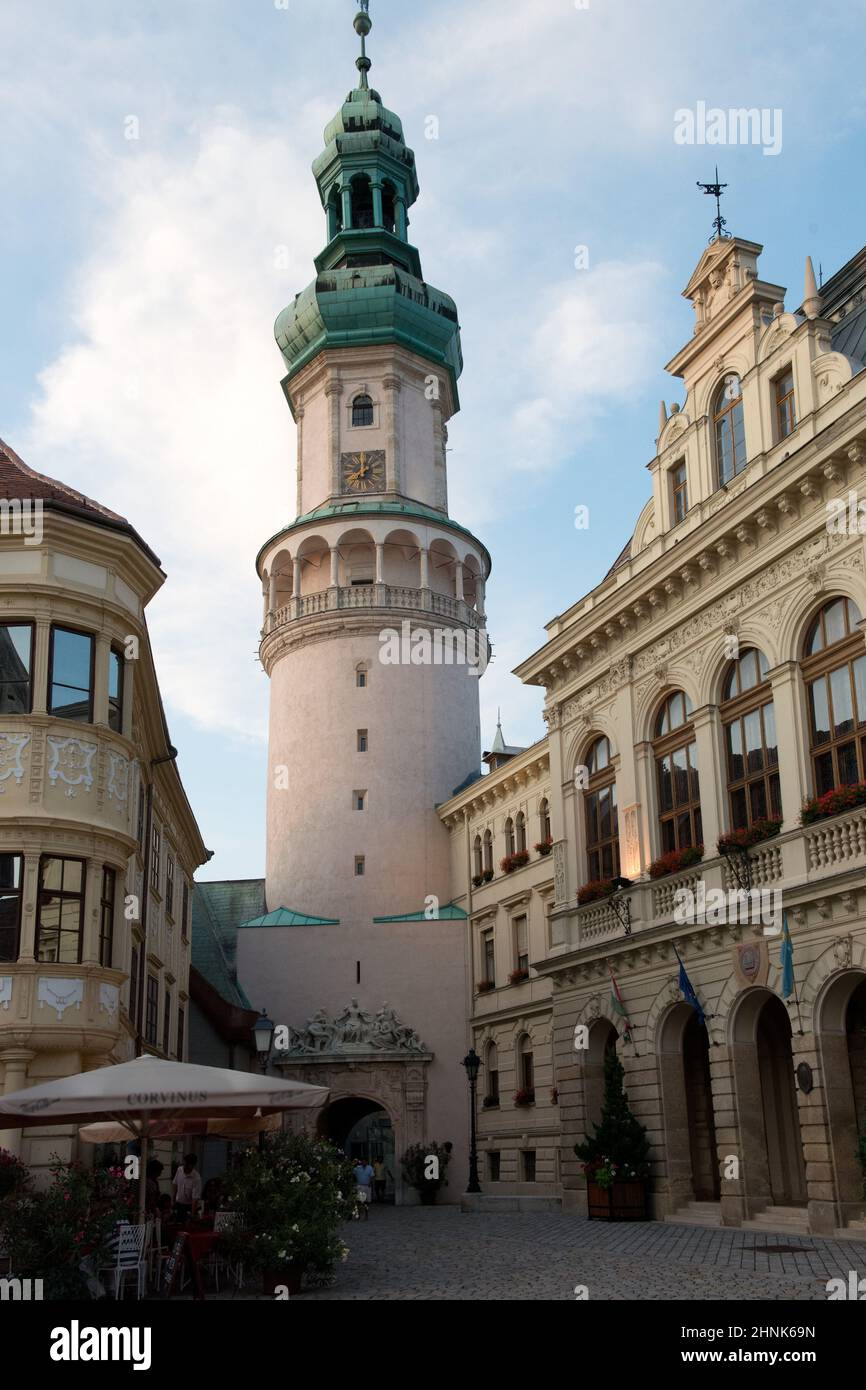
(449, 913)
(285, 917)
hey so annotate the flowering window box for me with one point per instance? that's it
(595, 890)
(514, 861)
(485, 986)
(754, 834)
(676, 861)
(525, 1096)
(544, 847)
(518, 976)
(487, 876)
(833, 803)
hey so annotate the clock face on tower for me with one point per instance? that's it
(364, 472)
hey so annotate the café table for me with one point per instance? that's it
(201, 1241)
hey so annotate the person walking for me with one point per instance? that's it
(364, 1181)
(380, 1178)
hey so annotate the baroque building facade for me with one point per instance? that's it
(713, 682)
(98, 844)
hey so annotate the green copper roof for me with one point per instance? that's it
(285, 917)
(217, 910)
(449, 913)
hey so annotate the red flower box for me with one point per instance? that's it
(675, 861)
(525, 1097)
(485, 986)
(518, 976)
(754, 834)
(544, 847)
(594, 890)
(514, 861)
(833, 803)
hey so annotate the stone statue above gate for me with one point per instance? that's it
(354, 1032)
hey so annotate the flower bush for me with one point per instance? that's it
(525, 1096)
(594, 890)
(415, 1166)
(485, 986)
(48, 1233)
(833, 803)
(13, 1174)
(676, 860)
(518, 976)
(291, 1197)
(754, 834)
(544, 847)
(514, 861)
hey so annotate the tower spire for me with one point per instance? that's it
(363, 25)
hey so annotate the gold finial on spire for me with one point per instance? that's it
(363, 25)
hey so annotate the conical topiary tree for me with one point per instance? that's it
(619, 1147)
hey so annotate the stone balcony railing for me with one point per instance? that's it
(810, 856)
(371, 596)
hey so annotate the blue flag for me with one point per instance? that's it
(787, 959)
(688, 991)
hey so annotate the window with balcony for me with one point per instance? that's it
(115, 690)
(600, 813)
(106, 917)
(679, 491)
(70, 675)
(676, 760)
(729, 429)
(751, 747)
(60, 910)
(16, 667)
(11, 877)
(151, 1013)
(786, 412)
(834, 669)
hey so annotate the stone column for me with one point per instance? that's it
(425, 567)
(711, 775)
(335, 567)
(458, 581)
(296, 587)
(481, 594)
(346, 195)
(402, 219)
(90, 924)
(378, 213)
(791, 733)
(100, 679)
(393, 461)
(40, 666)
(272, 597)
(16, 1061)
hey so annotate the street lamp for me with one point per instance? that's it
(263, 1034)
(472, 1063)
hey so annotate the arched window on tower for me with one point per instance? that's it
(362, 202)
(751, 746)
(834, 669)
(362, 412)
(509, 836)
(729, 429)
(521, 832)
(600, 814)
(389, 212)
(488, 852)
(676, 758)
(478, 863)
(335, 213)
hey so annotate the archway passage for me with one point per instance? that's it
(855, 1031)
(786, 1168)
(362, 1129)
(706, 1181)
(841, 1032)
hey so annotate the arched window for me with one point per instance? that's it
(544, 820)
(492, 1064)
(521, 832)
(362, 411)
(730, 430)
(476, 855)
(389, 212)
(335, 212)
(362, 202)
(834, 669)
(676, 758)
(600, 813)
(751, 746)
(526, 1069)
(509, 836)
(488, 852)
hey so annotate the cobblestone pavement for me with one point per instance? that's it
(439, 1253)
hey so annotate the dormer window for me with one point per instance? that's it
(679, 491)
(730, 430)
(362, 412)
(786, 412)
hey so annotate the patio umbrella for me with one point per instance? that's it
(110, 1132)
(138, 1095)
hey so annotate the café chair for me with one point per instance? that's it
(225, 1221)
(130, 1243)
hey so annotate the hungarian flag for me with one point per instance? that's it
(618, 1005)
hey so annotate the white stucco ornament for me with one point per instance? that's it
(70, 760)
(11, 748)
(60, 995)
(109, 999)
(5, 992)
(118, 779)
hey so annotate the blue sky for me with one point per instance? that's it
(141, 278)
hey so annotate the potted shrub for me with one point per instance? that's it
(833, 803)
(593, 891)
(754, 834)
(484, 986)
(525, 1096)
(418, 1171)
(290, 1197)
(544, 847)
(675, 861)
(48, 1233)
(518, 976)
(616, 1157)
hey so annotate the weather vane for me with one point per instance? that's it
(715, 190)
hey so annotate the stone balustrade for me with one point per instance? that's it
(393, 597)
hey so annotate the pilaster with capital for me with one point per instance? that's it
(334, 392)
(393, 463)
(710, 777)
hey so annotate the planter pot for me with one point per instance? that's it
(623, 1201)
(290, 1278)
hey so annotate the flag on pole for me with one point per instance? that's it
(688, 991)
(618, 1005)
(787, 959)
